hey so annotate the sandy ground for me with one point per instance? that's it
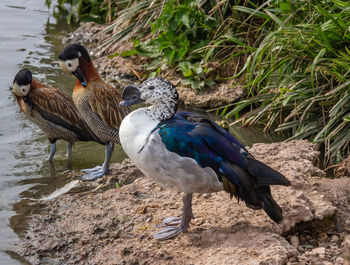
(115, 225)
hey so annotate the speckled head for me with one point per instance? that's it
(22, 82)
(153, 91)
(69, 60)
(158, 92)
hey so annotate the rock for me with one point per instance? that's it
(89, 34)
(223, 94)
(327, 263)
(339, 261)
(334, 238)
(294, 240)
(321, 252)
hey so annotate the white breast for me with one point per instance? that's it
(134, 130)
(145, 148)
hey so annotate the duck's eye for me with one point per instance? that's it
(69, 65)
(151, 87)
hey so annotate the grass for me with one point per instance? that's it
(298, 78)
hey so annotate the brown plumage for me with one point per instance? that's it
(96, 101)
(50, 109)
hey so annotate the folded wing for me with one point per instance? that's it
(211, 146)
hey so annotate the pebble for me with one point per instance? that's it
(339, 261)
(334, 238)
(301, 249)
(294, 241)
(319, 252)
(323, 237)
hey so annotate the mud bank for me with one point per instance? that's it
(115, 225)
(122, 71)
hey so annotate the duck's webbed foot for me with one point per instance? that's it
(90, 170)
(100, 171)
(95, 174)
(173, 226)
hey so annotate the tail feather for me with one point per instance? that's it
(265, 175)
(271, 208)
(243, 184)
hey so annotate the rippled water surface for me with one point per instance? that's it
(31, 37)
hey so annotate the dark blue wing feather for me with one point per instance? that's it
(188, 116)
(201, 142)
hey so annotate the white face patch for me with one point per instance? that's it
(21, 91)
(69, 66)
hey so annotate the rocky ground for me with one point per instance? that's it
(115, 225)
(122, 71)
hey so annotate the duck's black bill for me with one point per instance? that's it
(79, 74)
(131, 96)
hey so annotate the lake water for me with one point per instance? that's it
(31, 37)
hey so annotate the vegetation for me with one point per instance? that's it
(298, 77)
(86, 10)
(293, 56)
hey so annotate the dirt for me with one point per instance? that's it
(115, 225)
(122, 71)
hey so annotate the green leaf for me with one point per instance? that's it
(185, 19)
(285, 7)
(315, 62)
(129, 53)
(169, 55)
(276, 19)
(308, 246)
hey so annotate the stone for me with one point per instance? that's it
(321, 252)
(334, 238)
(294, 240)
(339, 261)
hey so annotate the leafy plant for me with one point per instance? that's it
(298, 77)
(195, 75)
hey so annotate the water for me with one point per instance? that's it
(31, 37)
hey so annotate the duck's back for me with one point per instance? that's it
(54, 112)
(99, 106)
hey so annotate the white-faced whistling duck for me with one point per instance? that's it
(97, 102)
(52, 110)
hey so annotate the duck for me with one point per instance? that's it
(96, 101)
(52, 110)
(191, 154)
